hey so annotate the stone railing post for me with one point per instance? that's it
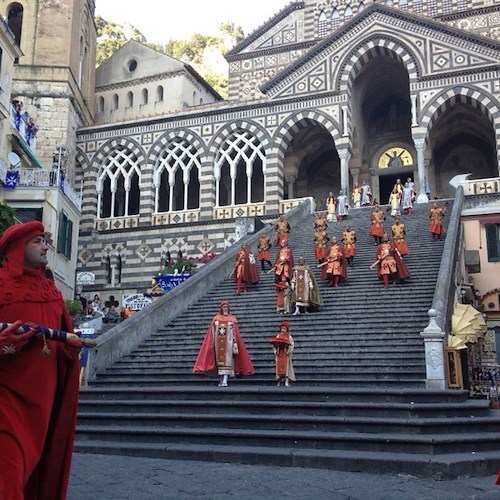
(434, 353)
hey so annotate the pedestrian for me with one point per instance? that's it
(283, 346)
(342, 205)
(377, 224)
(38, 376)
(305, 290)
(334, 269)
(399, 237)
(356, 196)
(395, 202)
(407, 199)
(366, 194)
(436, 215)
(223, 351)
(330, 207)
(245, 269)
(283, 295)
(264, 251)
(284, 263)
(389, 264)
(349, 243)
(282, 231)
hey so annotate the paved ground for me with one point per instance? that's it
(122, 478)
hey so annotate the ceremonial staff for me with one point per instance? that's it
(49, 333)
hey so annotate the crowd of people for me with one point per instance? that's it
(297, 292)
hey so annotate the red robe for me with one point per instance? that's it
(206, 363)
(38, 396)
(245, 270)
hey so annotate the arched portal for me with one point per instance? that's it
(462, 141)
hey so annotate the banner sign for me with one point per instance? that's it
(136, 302)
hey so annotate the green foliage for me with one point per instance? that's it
(7, 217)
(112, 36)
(187, 265)
(74, 307)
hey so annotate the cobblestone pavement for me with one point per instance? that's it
(110, 477)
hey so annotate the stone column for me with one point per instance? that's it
(434, 354)
(344, 156)
(414, 121)
(419, 146)
(290, 180)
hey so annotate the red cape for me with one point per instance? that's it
(38, 396)
(205, 362)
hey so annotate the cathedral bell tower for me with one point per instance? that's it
(54, 78)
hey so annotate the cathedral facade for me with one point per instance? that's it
(323, 96)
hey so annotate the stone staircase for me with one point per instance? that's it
(359, 402)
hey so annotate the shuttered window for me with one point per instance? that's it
(493, 242)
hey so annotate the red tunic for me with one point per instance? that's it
(38, 396)
(206, 361)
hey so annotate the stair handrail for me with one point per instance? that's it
(123, 338)
(445, 293)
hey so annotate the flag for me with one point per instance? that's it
(11, 179)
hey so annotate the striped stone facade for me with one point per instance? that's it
(309, 103)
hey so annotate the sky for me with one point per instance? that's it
(163, 20)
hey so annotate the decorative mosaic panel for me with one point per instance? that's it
(187, 217)
(121, 223)
(239, 211)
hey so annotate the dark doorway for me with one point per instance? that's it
(386, 183)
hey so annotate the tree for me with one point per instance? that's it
(6, 217)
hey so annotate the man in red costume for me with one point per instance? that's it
(245, 269)
(38, 377)
(223, 350)
(389, 263)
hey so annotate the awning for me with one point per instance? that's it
(27, 150)
(467, 324)
(491, 220)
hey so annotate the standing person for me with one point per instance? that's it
(39, 377)
(334, 268)
(395, 202)
(342, 206)
(330, 207)
(398, 236)
(263, 251)
(320, 242)
(283, 296)
(282, 231)
(283, 347)
(389, 263)
(436, 214)
(349, 242)
(407, 199)
(398, 186)
(356, 196)
(305, 290)
(366, 195)
(223, 350)
(411, 184)
(284, 264)
(245, 270)
(377, 224)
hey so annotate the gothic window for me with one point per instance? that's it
(335, 19)
(348, 14)
(361, 7)
(403, 4)
(418, 7)
(446, 6)
(176, 177)
(109, 271)
(239, 170)
(100, 104)
(159, 93)
(119, 269)
(15, 21)
(118, 184)
(322, 25)
(145, 96)
(130, 99)
(116, 101)
(194, 98)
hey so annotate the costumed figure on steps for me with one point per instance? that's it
(436, 215)
(390, 265)
(377, 224)
(398, 236)
(305, 290)
(282, 231)
(334, 269)
(263, 251)
(342, 205)
(283, 347)
(223, 351)
(349, 243)
(245, 268)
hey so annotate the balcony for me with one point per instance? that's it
(24, 125)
